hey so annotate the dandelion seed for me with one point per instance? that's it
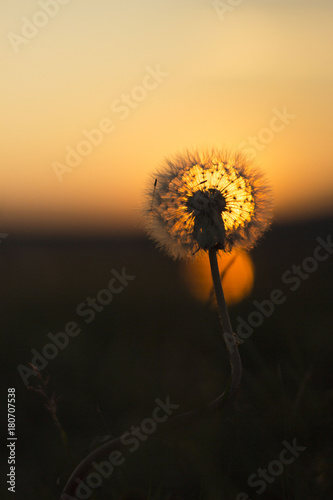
(152, 199)
(207, 200)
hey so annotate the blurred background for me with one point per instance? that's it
(95, 95)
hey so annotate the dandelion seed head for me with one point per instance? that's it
(213, 199)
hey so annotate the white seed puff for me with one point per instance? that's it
(214, 199)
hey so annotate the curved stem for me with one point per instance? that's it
(229, 338)
(81, 471)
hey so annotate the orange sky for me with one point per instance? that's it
(257, 73)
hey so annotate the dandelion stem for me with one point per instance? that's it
(229, 338)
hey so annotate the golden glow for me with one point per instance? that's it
(207, 199)
(235, 189)
(236, 269)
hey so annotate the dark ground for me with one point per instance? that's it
(154, 340)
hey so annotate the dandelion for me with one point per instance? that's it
(209, 200)
(212, 201)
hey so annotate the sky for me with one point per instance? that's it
(97, 93)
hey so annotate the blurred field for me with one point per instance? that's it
(155, 340)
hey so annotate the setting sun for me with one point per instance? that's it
(237, 273)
